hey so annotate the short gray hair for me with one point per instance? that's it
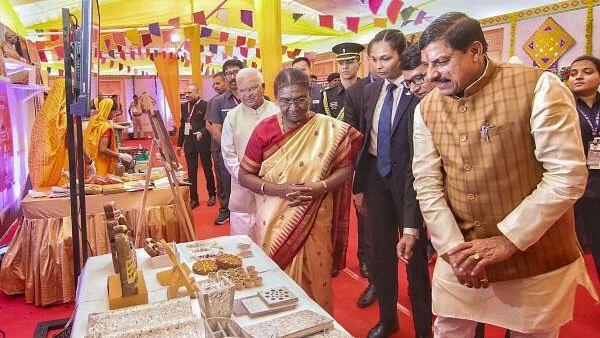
(247, 72)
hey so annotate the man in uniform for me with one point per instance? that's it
(348, 60)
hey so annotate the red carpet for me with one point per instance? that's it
(18, 319)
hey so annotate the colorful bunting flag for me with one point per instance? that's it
(297, 16)
(106, 44)
(393, 9)
(120, 66)
(111, 53)
(223, 36)
(119, 48)
(283, 49)
(254, 65)
(380, 22)
(213, 48)
(166, 35)
(240, 41)
(246, 17)
(60, 52)
(119, 38)
(132, 54)
(199, 18)
(128, 69)
(205, 32)
(154, 29)
(43, 57)
(122, 55)
(352, 23)
(244, 51)
(102, 60)
(49, 70)
(187, 63)
(146, 39)
(133, 36)
(257, 51)
(374, 5)
(326, 21)
(61, 72)
(208, 59)
(55, 35)
(39, 45)
(151, 55)
(174, 22)
(111, 63)
(251, 43)
(222, 15)
(420, 17)
(229, 50)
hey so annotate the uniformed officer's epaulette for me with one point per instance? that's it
(324, 89)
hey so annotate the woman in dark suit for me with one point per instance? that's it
(584, 81)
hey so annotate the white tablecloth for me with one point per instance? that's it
(92, 296)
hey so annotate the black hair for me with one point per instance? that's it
(300, 59)
(457, 29)
(313, 77)
(219, 74)
(231, 63)
(411, 58)
(393, 37)
(590, 58)
(333, 76)
(288, 77)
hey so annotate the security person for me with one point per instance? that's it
(348, 60)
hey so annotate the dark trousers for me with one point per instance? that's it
(382, 234)
(223, 180)
(192, 164)
(363, 244)
(586, 212)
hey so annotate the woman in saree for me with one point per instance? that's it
(299, 164)
(99, 139)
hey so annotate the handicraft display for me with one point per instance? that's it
(215, 296)
(293, 325)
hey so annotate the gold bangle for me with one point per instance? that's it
(262, 188)
(325, 186)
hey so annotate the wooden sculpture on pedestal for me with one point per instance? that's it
(127, 286)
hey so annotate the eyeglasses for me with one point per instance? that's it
(249, 89)
(231, 72)
(301, 102)
(417, 80)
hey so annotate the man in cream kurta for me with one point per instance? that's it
(498, 166)
(237, 129)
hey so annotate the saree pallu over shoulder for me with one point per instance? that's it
(308, 153)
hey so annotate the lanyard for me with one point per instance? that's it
(191, 112)
(594, 126)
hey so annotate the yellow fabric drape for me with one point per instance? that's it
(9, 18)
(195, 59)
(47, 150)
(97, 126)
(268, 26)
(168, 73)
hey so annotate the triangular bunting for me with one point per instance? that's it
(122, 55)
(352, 23)
(134, 36)
(166, 35)
(374, 6)
(222, 15)
(146, 39)
(120, 66)
(326, 21)
(43, 57)
(223, 36)
(251, 43)
(205, 32)
(257, 51)
(111, 53)
(240, 41)
(199, 18)
(119, 38)
(39, 45)
(393, 10)
(244, 51)
(380, 22)
(213, 48)
(174, 22)
(229, 50)
(132, 54)
(297, 16)
(154, 29)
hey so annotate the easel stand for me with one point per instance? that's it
(180, 206)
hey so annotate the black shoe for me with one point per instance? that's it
(335, 272)
(383, 330)
(194, 204)
(364, 269)
(211, 200)
(222, 217)
(367, 297)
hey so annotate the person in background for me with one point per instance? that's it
(194, 140)
(584, 81)
(348, 61)
(353, 104)
(217, 111)
(135, 114)
(99, 139)
(332, 80)
(219, 83)
(384, 191)
(237, 128)
(298, 201)
(498, 164)
(303, 63)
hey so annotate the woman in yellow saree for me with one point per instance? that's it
(99, 139)
(299, 164)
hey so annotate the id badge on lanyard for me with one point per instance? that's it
(593, 158)
(187, 129)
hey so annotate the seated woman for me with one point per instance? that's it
(301, 164)
(584, 81)
(99, 139)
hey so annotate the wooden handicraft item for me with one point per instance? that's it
(127, 286)
(266, 302)
(294, 325)
(158, 256)
(215, 296)
(179, 275)
(221, 328)
(170, 318)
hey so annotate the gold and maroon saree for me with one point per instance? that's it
(301, 239)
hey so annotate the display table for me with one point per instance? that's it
(39, 261)
(92, 295)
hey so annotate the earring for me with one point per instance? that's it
(476, 58)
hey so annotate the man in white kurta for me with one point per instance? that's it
(237, 129)
(498, 166)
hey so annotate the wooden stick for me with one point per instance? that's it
(142, 215)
